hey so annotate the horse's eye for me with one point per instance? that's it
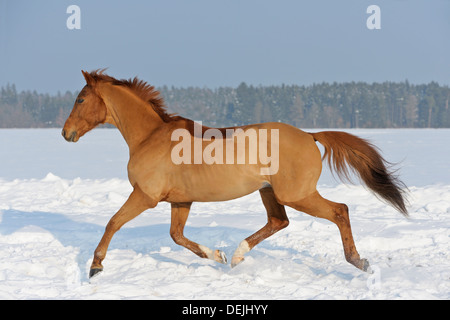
(80, 100)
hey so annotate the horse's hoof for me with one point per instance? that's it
(94, 271)
(365, 266)
(362, 264)
(236, 260)
(238, 255)
(220, 256)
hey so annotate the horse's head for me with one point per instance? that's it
(88, 111)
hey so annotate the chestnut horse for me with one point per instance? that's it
(138, 111)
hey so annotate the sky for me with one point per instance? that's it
(213, 43)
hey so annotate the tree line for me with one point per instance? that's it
(324, 105)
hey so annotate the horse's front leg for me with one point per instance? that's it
(180, 213)
(137, 203)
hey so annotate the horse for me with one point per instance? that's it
(139, 113)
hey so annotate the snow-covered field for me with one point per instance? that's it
(56, 198)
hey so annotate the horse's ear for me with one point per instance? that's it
(87, 76)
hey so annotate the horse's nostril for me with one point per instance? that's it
(72, 136)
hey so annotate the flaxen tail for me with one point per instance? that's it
(344, 150)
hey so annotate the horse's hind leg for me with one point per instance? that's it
(317, 206)
(180, 213)
(276, 220)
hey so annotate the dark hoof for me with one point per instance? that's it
(365, 266)
(94, 271)
(361, 264)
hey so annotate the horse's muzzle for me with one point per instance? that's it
(70, 137)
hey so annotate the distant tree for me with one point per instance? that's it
(296, 113)
(411, 110)
(9, 95)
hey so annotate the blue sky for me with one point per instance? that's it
(212, 43)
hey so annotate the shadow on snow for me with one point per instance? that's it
(145, 239)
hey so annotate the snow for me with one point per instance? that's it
(56, 198)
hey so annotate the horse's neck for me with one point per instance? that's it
(134, 118)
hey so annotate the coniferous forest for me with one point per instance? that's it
(324, 105)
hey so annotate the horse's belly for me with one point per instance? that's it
(224, 194)
(218, 186)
